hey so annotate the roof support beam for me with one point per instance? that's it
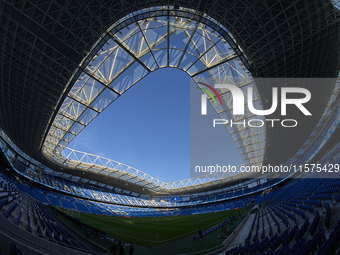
(217, 63)
(125, 48)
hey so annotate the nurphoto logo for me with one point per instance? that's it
(239, 104)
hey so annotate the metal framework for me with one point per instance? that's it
(110, 168)
(88, 162)
(129, 54)
(92, 163)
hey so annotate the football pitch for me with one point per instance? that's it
(167, 235)
(154, 230)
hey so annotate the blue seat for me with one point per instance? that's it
(19, 218)
(310, 246)
(10, 210)
(2, 202)
(302, 250)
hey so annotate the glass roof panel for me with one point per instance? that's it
(105, 98)
(87, 116)
(76, 128)
(71, 108)
(52, 140)
(174, 56)
(62, 122)
(136, 43)
(125, 33)
(149, 60)
(225, 48)
(161, 57)
(69, 137)
(129, 77)
(156, 34)
(197, 66)
(187, 61)
(112, 65)
(105, 52)
(87, 92)
(56, 132)
(62, 143)
(211, 56)
(182, 32)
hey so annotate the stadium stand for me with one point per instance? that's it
(28, 213)
(295, 217)
(291, 212)
(99, 194)
(301, 234)
(55, 81)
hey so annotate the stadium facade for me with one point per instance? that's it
(64, 63)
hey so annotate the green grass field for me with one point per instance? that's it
(175, 234)
(143, 231)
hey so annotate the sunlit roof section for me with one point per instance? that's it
(86, 162)
(141, 43)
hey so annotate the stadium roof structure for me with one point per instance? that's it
(63, 63)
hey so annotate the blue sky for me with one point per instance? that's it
(148, 127)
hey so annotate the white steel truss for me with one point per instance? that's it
(131, 49)
(92, 163)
